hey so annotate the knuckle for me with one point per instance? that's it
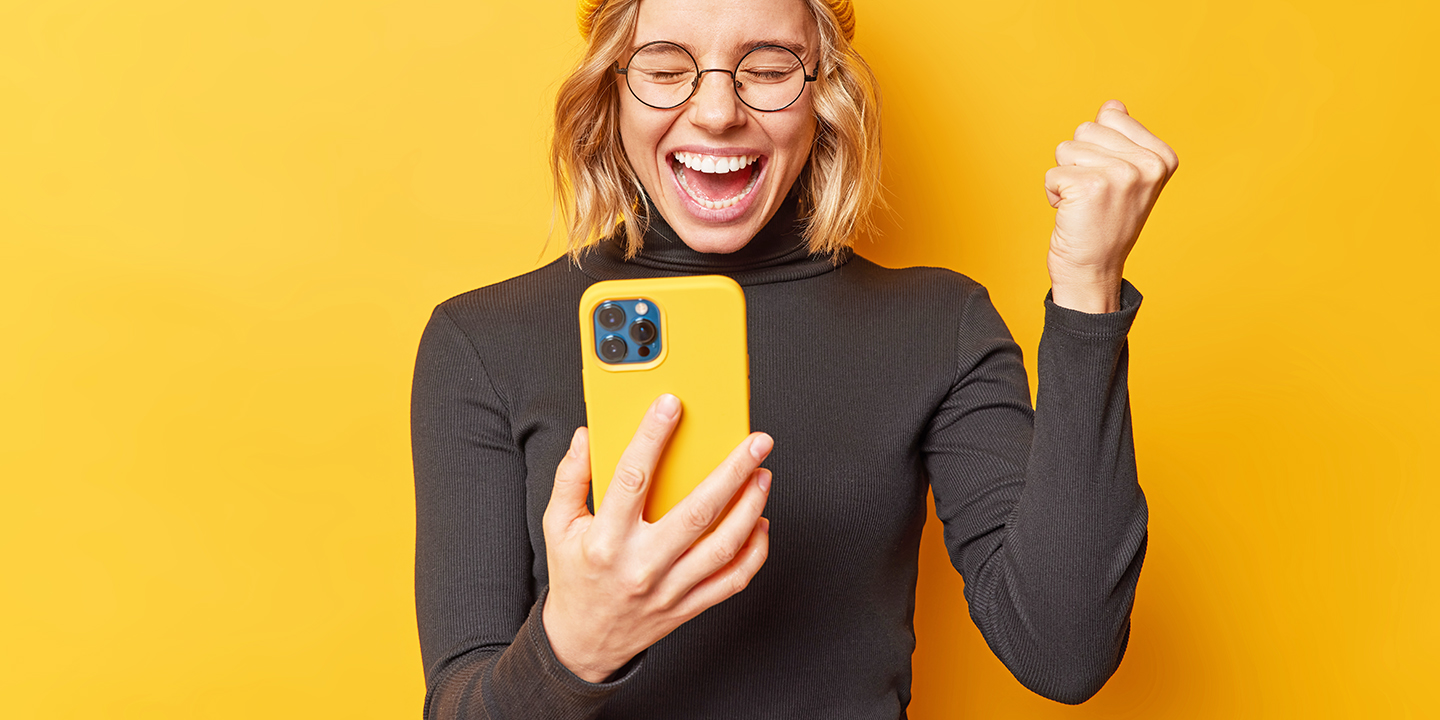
(630, 477)
(1126, 174)
(666, 600)
(1083, 128)
(1095, 183)
(1152, 165)
(738, 469)
(651, 432)
(737, 582)
(599, 554)
(1171, 158)
(697, 517)
(637, 583)
(723, 553)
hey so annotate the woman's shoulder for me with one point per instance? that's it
(554, 288)
(920, 284)
(517, 329)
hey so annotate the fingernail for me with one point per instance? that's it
(761, 445)
(766, 522)
(668, 407)
(764, 480)
(575, 442)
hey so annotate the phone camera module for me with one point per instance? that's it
(610, 316)
(643, 332)
(627, 331)
(613, 350)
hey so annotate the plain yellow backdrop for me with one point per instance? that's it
(224, 223)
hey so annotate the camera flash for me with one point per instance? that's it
(641, 308)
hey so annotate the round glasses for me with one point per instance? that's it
(664, 75)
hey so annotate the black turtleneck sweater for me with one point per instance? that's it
(878, 386)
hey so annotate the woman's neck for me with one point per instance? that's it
(778, 253)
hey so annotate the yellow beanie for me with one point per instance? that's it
(844, 13)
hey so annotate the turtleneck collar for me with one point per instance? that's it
(777, 253)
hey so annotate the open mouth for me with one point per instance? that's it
(716, 182)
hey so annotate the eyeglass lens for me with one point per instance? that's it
(663, 75)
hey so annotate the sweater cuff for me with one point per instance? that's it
(534, 678)
(1095, 325)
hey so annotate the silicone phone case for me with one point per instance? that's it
(703, 360)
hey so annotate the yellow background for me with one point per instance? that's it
(224, 223)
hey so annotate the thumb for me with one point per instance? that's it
(572, 480)
(1112, 105)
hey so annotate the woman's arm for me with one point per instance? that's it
(483, 646)
(495, 646)
(1043, 513)
(619, 583)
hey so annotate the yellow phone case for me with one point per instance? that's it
(703, 360)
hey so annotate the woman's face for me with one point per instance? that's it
(720, 212)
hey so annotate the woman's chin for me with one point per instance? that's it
(707, 235)
(715, 240)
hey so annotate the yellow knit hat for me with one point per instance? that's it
(844, 13)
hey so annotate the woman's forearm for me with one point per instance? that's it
(1059, 593)
(1042, 509)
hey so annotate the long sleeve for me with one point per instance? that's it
(484, 649)
(1044, 516)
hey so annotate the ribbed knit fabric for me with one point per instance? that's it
(878, 386)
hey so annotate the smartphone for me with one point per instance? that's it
(646, 337)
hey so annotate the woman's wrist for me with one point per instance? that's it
(587, 666)
(1088, 290)
(1093, 298)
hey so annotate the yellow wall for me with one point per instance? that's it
(223, 224)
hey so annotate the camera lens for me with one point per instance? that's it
(613, 349)
(643, 331)
(611, 317)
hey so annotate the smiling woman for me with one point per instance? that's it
(610, 147)
(740, 137)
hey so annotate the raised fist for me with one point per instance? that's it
(1103, 186)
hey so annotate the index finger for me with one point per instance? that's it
(624, 499)
(1114, 115)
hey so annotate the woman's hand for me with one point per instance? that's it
(1104, 184)
(618, 583)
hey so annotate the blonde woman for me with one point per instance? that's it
(740, 137)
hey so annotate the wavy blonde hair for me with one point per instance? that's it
(595, 187)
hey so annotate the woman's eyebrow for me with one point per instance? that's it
(741, 47)
(791, 45)
(638, 45)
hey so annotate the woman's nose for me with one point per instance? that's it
(715, 106)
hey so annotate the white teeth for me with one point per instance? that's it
(711, 164)
(714, 163)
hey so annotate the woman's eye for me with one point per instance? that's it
(768, 76)
(662, 76)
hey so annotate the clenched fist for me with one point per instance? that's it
(1103, 186)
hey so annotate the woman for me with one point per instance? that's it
(874, 386)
